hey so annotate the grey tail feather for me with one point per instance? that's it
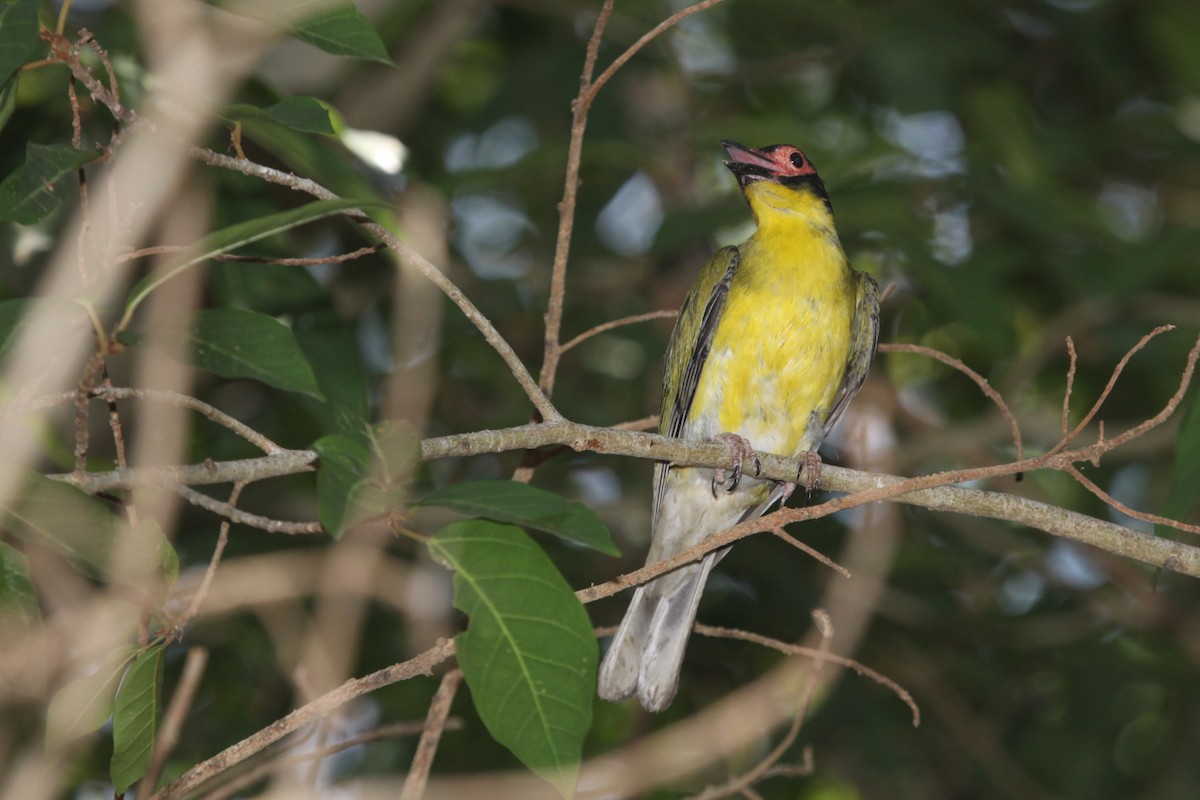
(647, 651)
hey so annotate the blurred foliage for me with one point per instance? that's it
(1017, 172)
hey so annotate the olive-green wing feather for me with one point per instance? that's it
(864, 337)
(689, 346)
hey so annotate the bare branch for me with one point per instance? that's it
(617, 323)
(435, 723)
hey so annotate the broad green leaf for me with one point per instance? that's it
(234, 343)
(341, 30)
(148, 555)
(304, 114)
(83, 705)
(18, 36)
(135, 719)
(528, 506)
(331, 347)
(1185, 489)
(233, 237)
(58, 515)
(345, 461)
(17, 597)
(528, 654)
(364, 476)
(31, 191)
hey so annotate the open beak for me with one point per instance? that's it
(746, 164)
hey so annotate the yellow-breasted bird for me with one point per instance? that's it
(774, 339)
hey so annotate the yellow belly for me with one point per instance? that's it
(780, 350)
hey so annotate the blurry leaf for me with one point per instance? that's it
(1185, 489)
(528, 506)
(135, 719)
(151, 557)
(231, 238)
(234, 343)
(17, 595)
(341, 30)
(86, 703)
(528, 654)
(331, 347)
(364, 476)
(18, 37)
(56, 514)
(303, 114)
(12, 313)
(30, 192)
(8, 100)
(345, 461)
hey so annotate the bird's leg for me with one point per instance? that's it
(810, 465)
(741, 451)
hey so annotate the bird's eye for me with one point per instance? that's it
(797, 160)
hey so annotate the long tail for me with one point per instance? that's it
(647, 651)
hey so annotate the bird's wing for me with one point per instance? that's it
(864, 337)
(688, 349)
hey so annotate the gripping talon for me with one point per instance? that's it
(811, 464)
(741, 451)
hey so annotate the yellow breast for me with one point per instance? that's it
(780, 349)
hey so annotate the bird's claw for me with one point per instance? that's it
(741, 451)
(810, 467)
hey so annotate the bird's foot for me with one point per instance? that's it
(741, 452)
(810, 468)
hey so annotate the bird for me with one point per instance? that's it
(773, 340)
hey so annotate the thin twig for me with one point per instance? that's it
(617, 323)
(245, 518)
(278, 762)
(1108, 387)
(1066, 404)
(566, 207)
(435, 724)
(317, 709)
(804, 548)
(980, 381)
(1133, 513)
(809, 652)
(648, 37)
(284, 462)
(210, 572)
(747, 779)
(160, 395)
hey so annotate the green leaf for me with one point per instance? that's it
(135, 719)
(528, 654)
(235, 343)
(303, 114)
(83, 705)
(341, 30)
(55, 514)
(345, 461)
(235, 236)
(528, 506)
(364, 476)
(12, 314)
(329, 343)
(31, 192)
(18, 36)
(18, 600)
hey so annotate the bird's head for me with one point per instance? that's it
(780, 176)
